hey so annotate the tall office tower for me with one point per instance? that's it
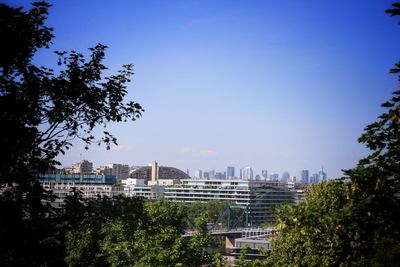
(274, 177)
(187, 172)
(321, 174)
(305, 176)
(219, 175)
(154, 171)
(247, 173)
(314, 179)
(230, 172)
(264, 174)
(211, 174)
(198, 174)
(285, 177)
(241, 173)
(206, 175)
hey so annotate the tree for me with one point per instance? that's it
(127, 232)
(101, 232)
(41, 112)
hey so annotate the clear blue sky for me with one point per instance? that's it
(277, 85)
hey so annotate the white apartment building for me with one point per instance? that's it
(258, 196)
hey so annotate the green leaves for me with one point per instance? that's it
(44, 110)
(128, 232)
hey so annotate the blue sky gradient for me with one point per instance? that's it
(276, 85)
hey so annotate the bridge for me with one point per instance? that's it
(249, 233)
(237, 227)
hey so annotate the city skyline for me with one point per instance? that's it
(212, 173)
(272, 85)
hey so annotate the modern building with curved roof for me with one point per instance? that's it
(154, 173)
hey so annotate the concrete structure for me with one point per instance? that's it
(154, 171)
(147, 192)
(82, 167)
(63, 189)
(77, 178)
(120, 171)
(90, 185)
(133, 182)
(160, 173)
(259, 196)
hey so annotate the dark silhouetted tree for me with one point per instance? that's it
(41, 112)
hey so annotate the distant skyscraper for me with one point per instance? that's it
(274, 177)
(206, 175)
(314, 179)
(154, 171)
(219, 175)
(187, 172)
(230, 172)
(264, 174)
(285, 177)
(305, 176)
(247, 173)
(321, 174)
(198, 174)
(211, 174)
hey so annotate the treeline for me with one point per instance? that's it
(115, 231)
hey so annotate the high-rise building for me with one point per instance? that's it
(154, 171)
(314, 179)
(321, 174)
(305, 176)
(219, 175)
(198, 174)
(206, 175)
(264, 174)
(247, 173)
(285, 177)
(211, 174)
(274, 177)
(230, 172)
